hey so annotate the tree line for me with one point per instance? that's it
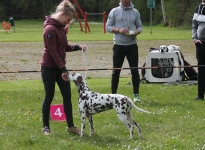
(175, 12)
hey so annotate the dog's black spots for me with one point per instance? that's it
(84, 97)
(116, 101)
(81, 94)
(124, 113)
(127, 109)
(110, 106)
(86, 107)
(87, 112)
(73, 74)
(80, 89)
(103, 107)
(91, 101)
(124, 100)
(97, 109)
(123, 108)
(129, 104)
(134, 123)
(96, 105)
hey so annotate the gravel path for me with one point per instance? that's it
(26, 56)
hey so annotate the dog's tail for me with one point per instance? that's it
(139, 109)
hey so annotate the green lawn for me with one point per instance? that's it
(31, 31)
(176, 122)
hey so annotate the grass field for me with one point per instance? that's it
(176, 123)
(31, 31)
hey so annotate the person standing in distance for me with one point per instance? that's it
(198, 37)
(53, 63)
(124, 21)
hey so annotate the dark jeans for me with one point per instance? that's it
(50, 76)
(119, 54)
(200, 55)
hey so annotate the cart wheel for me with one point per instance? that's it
(143, 81)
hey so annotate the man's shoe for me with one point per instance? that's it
(136, 98)
(199, 98)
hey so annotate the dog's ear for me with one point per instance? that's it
(79, 80)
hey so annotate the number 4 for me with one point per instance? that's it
(58, 112)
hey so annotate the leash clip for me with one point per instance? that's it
(84, 61)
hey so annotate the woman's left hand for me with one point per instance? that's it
(65, 76)
(84, 47)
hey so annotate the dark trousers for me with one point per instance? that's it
(200, 55)
(119, 54)
(50, 76)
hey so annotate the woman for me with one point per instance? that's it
(53, 62)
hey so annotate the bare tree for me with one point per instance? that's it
(163, 12)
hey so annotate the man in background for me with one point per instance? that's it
(198, 37)
(124, 21)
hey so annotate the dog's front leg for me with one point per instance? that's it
(90, 124)
(82, 123)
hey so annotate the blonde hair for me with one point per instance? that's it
(64, 7)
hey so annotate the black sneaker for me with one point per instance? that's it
(46, 131)
(199, 98)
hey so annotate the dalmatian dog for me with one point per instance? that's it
(163, 49)
(172, 48)
(90, 103)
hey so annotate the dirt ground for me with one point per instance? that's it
(26, 57)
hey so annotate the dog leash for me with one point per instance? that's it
(84, 61)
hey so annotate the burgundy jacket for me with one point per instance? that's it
(55, 45)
